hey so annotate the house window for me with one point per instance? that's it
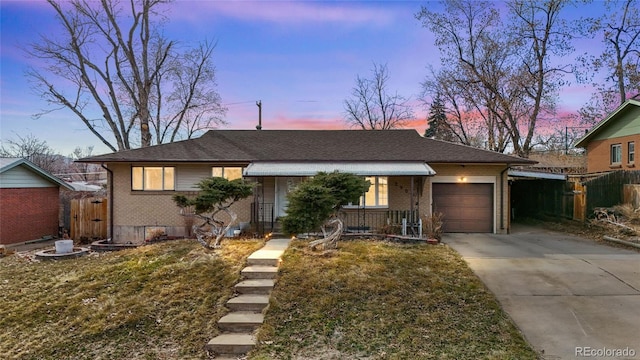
(227, 172)
(616, 154)
(631, 152)
(153, 178)
(378, 193)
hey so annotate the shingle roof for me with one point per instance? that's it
(310, 145)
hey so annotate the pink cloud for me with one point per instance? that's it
(283, 12)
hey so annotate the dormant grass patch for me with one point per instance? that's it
(377, 300)
(159, 301)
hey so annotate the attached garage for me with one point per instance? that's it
(466, 207)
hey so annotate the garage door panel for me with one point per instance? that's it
(466, 207)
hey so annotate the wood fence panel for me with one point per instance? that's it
(89, 218)
(579, 201)
(631, 195)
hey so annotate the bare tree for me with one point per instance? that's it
(619, 27)
(502, 70)
(373, 107)
(472, 113)
(84, 171)
(35, 150)
(112, 67)
(462, 124)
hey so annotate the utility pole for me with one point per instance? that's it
(259, 104)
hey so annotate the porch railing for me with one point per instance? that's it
(358, 221)
(389, 221)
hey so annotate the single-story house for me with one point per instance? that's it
(410, 176)
(29, 202)
(611, 144)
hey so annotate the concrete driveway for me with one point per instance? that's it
(572, 298)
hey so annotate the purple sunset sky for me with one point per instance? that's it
(299, 58)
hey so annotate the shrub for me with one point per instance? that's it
(318, 199)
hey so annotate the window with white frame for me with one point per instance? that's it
(616, 154)
(153, 178)
(378, 193)
(631, 152)
(227, 172)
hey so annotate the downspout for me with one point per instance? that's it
(502, 196)
(110, 180)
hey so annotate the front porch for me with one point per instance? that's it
(360, 220)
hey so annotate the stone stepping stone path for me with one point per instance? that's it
(248, 307)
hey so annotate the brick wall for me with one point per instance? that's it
(133, 210)
(400, 193)
(599, 154)
(28, 214)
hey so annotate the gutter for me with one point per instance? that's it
(110, 200)
(502, 196)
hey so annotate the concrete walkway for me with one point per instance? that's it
(572, 298)
(252, 300)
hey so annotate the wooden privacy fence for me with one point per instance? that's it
(607, 190)
(579, 201)
(89, 218)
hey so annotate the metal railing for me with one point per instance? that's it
(263, 217)
(389, 221)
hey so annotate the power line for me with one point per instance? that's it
(238, 103)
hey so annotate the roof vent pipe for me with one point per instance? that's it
(259, 104)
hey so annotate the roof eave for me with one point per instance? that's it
(583, 141)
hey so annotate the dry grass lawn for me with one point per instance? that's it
(376, 300)
(160, 301)
(369, 300)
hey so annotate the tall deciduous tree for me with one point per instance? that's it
(501, 70)
(112, 67)
(373, 107)
(619, 29)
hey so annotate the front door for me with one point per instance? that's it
(284, 185)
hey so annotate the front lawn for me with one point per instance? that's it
(368, 300)
(376, 300)
(160, 301)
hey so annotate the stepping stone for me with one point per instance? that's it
(248, 302)
(265, 259)
(240, 321)
(255, 286)
(270, 254)
(231, 344)
(259, 272)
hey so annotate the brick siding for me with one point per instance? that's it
(28, 214)
(136, 209)
(599, 154)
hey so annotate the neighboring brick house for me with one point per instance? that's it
(611, 144)
(410, 176)
(29, 202)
